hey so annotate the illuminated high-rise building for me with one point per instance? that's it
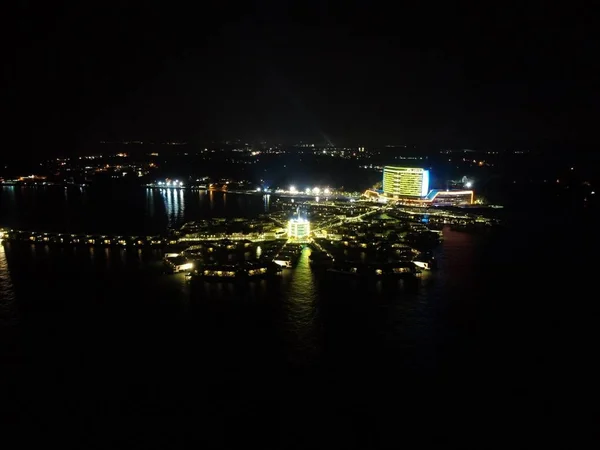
(298, 228)
(405, 181)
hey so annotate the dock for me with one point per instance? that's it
(100, 240)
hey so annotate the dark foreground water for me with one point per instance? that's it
(101, 351)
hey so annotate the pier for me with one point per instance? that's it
(136, 241)
(103, 240)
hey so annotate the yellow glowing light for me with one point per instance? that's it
(298, 228)
(405, 181)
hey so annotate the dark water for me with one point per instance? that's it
(117, 209)
(101, 351)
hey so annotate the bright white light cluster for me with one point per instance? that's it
(308, 191)
(170, 183)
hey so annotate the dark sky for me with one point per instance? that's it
(352, 72)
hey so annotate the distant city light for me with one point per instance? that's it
(469, 184)
(293, 189)
(307, 191)
(327, 191)
(316, 190)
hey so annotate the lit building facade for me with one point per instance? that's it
(405, 181)
(410, 186)
(435, 197)
(450, 197)
(298, 228)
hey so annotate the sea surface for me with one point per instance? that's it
(100, 350)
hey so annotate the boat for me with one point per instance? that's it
(283, 261)
(425, 261)
(288, 255)
(177, 264)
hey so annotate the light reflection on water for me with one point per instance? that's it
(7, 292)
(123, 255)
(300, 313)
(174, 205)
(107, 256)
(8, 203)
(314, 318)
(130, 211)
(150, 206)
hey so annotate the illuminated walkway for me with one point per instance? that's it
(341, 221)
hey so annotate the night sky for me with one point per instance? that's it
(357, 73)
